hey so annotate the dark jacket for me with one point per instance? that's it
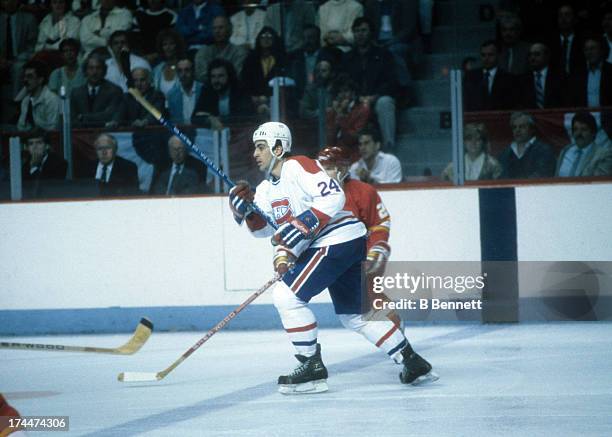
(577, 62)
(372, 72)
(123, 179)
(53, 168)
(239, 103)
(187, 182)
(578, 87)
(554, 94)
(252, 76)
(477, 98)
(104, 108)
(131, 110)
(404, 18)
(538, 162)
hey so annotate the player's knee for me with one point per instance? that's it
(352, 321)
(284, 299)
(385, 104)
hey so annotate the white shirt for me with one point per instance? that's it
(514, 147)
(569, 161)
(593, 84)
(386, 170)
(304, 185)
(246, 27)
(99, 170)
(473, 168)
(543, 73)
(45, 110)
(492, 73)
(114, 75)
(177, 169)
(189, 102)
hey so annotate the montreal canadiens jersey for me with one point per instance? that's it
(303, 185)
(365, 203)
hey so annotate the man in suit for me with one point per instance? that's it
(40, 107)
(584, 157)
(116, 176)
(98, 102)
(134, 114)
(42, 162)
(514, 52)
(179, 178)
(488, 88)
(542, 86)
(18, 31)
(566, 45)
(593, 87)
(222, 96)
(527, 156)
(182, 98)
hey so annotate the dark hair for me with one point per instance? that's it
(372, 131)
(489, 42)
(39, 67)
(117, 33)
(360, 20)
(176, 37)
(38, 133)
(74, 43)
(278, 49)
(312, 26)
(229, 69)
(587, 118)
(343, 83)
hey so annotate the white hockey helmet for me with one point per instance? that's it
(271, 132)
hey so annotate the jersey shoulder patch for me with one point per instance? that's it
(308, 164)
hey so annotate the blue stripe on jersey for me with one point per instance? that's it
(398, 347)
(332, 228)
(305, 343)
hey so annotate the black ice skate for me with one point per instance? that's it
(416, 369)
(309, 377)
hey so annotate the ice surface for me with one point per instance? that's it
(495, 380)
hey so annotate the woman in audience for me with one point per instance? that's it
(262, 64)
(58, 25)
(171, 48)
(478, 163)
(70, 75)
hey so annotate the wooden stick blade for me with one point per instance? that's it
(149, 107)
(140, 337)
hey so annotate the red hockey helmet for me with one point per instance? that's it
(335, 155)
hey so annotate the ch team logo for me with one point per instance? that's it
(281, 210)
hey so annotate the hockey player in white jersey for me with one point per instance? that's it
(318, 245)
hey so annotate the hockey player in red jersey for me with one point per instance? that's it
(318, 245)
(365, 203)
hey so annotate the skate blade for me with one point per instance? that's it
(310, 387)
(431, 376)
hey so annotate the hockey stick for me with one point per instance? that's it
(152, 376)
(139, 338)
(185, 139)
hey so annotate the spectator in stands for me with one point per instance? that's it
(296, 15)
(171, 47)
(336, 20)
(134, 114)
(70, 75)
(514, 53)
(542, 86)
(566, 44)
(584, 157)
(374, 166)
(347, 115)
(220, 48)
(527, 157)
(116, 176)
(593, 88)
(478, 162)
(40, 107)
(183, 96)
(148, 22)
(488, 88)
(122, 60)
(395, 28)
(97, 27)
(98, 102)
(17, 42)
(261, 65)
(42, 162)
(606, 24)
(246, 24)
(222, 96)
(368, 66)
(195, 22)
(179, 178)
(57, 26)
(303, 61)
(324, 78)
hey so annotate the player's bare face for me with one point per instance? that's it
(262, 155)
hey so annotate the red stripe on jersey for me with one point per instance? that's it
(308, 164)
(386, 336)
(303, 328)
(295, 287)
